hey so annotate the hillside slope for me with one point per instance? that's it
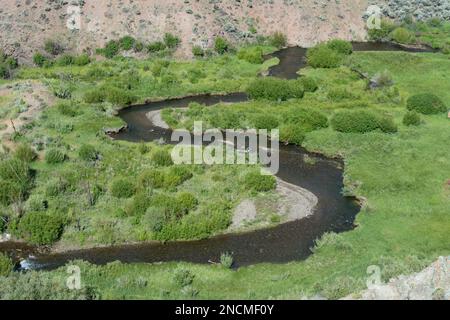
(26, 24)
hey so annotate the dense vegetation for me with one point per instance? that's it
(81, 187)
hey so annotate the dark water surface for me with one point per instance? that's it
(283, 243)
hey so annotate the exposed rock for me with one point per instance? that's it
(433, 283)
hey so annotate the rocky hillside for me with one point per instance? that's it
(87, 24)
(26, 24)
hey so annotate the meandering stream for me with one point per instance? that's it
(283, 243)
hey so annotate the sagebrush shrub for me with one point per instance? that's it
(403, 35)
(322, 56)
(54, 156)
(41, 228)
(426, 103)
(411, 118)
(6, 265)
(275, 89)
(88, 152)
(278, 40)
(258, 182)
(122, 188)
(361, 121)
(340, 46)
(162, 158)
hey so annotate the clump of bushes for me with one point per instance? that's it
(39, 59)
(361, 121)
(25, 153)
(40, 228)
(111, 49)
(171, 41)
(275, 89)
(226, 260)
(265, 121)
(403, 35)
(15, 180)
(383, 33)
(291, 133)
(340, 46)
(6, 265)
(426, 103)
(257, 182)
(54, 156)
(411, 118)
(162, 158)
(253, 55)
(7, 65)
(309, 84)
(278, 40)
(88, 152)
(122, 188)
(52, 47)
(322, 56)
(127, 43)
(198, 51)
(305, 118)
(221, 45)
(183, 277)
(82, 60)
(155, 46)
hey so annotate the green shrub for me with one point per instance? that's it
(40, 228)
(306, 118)
(122, 188)
(321, 56)
(88, 152)
(183, 277)
(186, 201)
(111, 49)
(275, 89)
(155, 46)
(25, 153)
(278, 40)
(65, 60)
(53, 48)
(138, 46)
(150, 179)
(66, 109)
(291, 133)
(309, 84)
(361, 121)
(426, 103)
(258, 182)
(39, 59)
(155, 219)
(383, 33)
(120, 97)
(221, 45)
(176, 176)
(15, 180)
(253, 55)
(226, 260)
(127, 43)
(340, 46)
(411, 118)
(6, 265)
(82, 60)
(162, 158)
(265, 121)
(171, 41)
(54, 156)
(3, 222)
(97, 95)
(403, 35)
(198, 51)
(139, 205)
(339, 94)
